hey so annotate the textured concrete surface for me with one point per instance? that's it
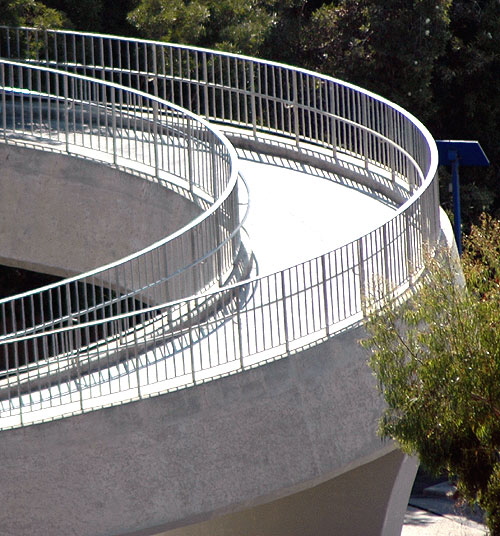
(186, 456)
(292, 434)
(64, 215)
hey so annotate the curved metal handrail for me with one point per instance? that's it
(266, 316)
(55, 106)
(229, 88)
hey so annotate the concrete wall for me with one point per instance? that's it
(65, 215)
(220, 448)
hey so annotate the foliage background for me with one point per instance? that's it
(439, 59)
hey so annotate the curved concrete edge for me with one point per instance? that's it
(397, 502)
(368, 500)
(195, 454)
(395, 194)
(66, 215)
(447, 237)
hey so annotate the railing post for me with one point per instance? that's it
(113, 121)
(366, 139)
(205, 86)
(196, 266)
(239, 326)
(19, 395)
(362, 276)
(155, 139)
(253, 105)
(189, 154)
(392, 157)
(137, 362)
(389, 120)
(4, 103)
(285, 312)
(46, 43)
(191, 340)
(9, 55)
(217, 215)
(155, 72)
(296, 108)
(325, 294)
(78, 371)
(66, 110)
(409, 246)
(387, 283)
(333, 120)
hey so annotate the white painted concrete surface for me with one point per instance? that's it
(295, 216)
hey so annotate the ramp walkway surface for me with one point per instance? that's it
(292, 213)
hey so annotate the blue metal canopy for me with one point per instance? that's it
(469, 153)
(453, 153)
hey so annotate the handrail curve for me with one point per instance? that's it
(216, 194)
(177, 343)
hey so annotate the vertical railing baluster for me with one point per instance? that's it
(113, 124)
(364, 295)
(4, 103)
(295, 101)
(155, 139)
(189, 145)
(285, 312)
(326, 294)
(66, 110)
(253, 106)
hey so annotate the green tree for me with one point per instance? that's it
(84, 14)
(237, 26)
(285, 39)
(388, 46)
(170, 20)
(437, 360)
(31, 13)
(224, 24)
(465, 88)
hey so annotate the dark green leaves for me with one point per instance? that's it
(437, 360)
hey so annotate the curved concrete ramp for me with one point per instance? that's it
(275, 447)
(65, 215)
(263, 435)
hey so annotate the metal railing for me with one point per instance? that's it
(149, 350)
(240, 91)
(124, 127)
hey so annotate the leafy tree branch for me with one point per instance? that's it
(437, 361)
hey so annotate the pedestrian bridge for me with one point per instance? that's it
(220, 223)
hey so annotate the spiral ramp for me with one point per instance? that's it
(219, 222)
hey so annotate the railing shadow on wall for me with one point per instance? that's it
(115, 85)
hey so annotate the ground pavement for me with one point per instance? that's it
(432, 511)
